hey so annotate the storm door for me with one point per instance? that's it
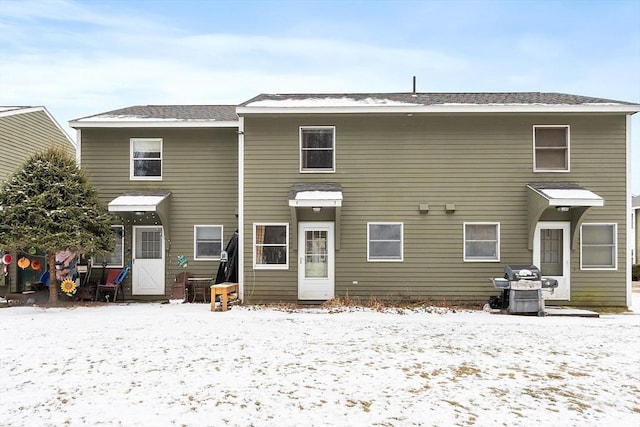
(316, 261)
(551, 253)
(148, 262)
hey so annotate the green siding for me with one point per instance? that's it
(24, 134)
(387, 165)
(200, 169)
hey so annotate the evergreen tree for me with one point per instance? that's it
(49, 203)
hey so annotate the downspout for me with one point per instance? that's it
(241, 208)
(630, 238)
(78, 146)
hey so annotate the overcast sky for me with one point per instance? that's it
(79, 58)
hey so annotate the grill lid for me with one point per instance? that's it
(521, 272)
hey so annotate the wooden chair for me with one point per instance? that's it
(113, 284)
(180, 287)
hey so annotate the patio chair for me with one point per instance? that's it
(180, 288)
(113, 284)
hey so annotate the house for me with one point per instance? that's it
(405, 196)
(169, 175)
(25, 131)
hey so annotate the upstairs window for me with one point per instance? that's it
(317, 149)
(207, 242)
(146, 159)
(551, 148)
(384, 241)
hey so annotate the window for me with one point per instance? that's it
(116, 258)
(551, 148)
(317, 149)
(598, 247)
(207, 242)
(146, 159)
(270, 246)
(384, 241)
(481, 241)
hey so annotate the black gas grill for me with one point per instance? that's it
(521, 290)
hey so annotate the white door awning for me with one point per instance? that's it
(315, 195)
(153, 201)
(136, 203)
(569, 196)
(562, 198)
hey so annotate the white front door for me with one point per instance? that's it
(147, 275)
(316, 260)
(552, 255)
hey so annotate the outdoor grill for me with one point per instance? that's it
(521, 290)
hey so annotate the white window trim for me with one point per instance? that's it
(615, 247)
(195, 247)
(257, 266)
(464, 243)
(535, 169)
(401, 224)
(99, 265)
(333, 170)
(132, 176)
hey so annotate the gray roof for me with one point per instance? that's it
(479, 98)
(169, 112)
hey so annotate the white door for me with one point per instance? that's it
(147, 275)
(316, 260)
(552, 255)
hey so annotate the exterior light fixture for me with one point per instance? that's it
(316, 209)
(562, 208)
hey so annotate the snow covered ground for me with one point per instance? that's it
(182, 365)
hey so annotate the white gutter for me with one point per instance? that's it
(141, 123)
(443, 108)
(241, 208)
(79, 147)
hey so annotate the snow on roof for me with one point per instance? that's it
(344, 101)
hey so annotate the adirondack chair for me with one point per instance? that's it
(113, 283)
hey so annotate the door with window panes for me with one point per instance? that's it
(147, 275)
(551, 254)
(316, 260)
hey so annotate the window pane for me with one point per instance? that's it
(384, 250)
(385, 232)
(208, 241)
(551, 148)
(551, 137)
(481, 242)
(598, 246)
(147, 168)
(385, 242)
(115, 258)
(146, 149)
(271, 245)
(316, 148)
(317, 159)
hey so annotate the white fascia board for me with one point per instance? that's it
(82, 124)
(135, 203)
(570, 197)
(447, 108)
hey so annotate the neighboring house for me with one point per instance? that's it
(169, 174)
(635, 223)
(414, 196)
(25, 131)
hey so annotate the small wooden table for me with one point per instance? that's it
(224, 290)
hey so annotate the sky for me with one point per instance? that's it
(167, 365)
(79, 58)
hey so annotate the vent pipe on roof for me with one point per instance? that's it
(414, 85)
